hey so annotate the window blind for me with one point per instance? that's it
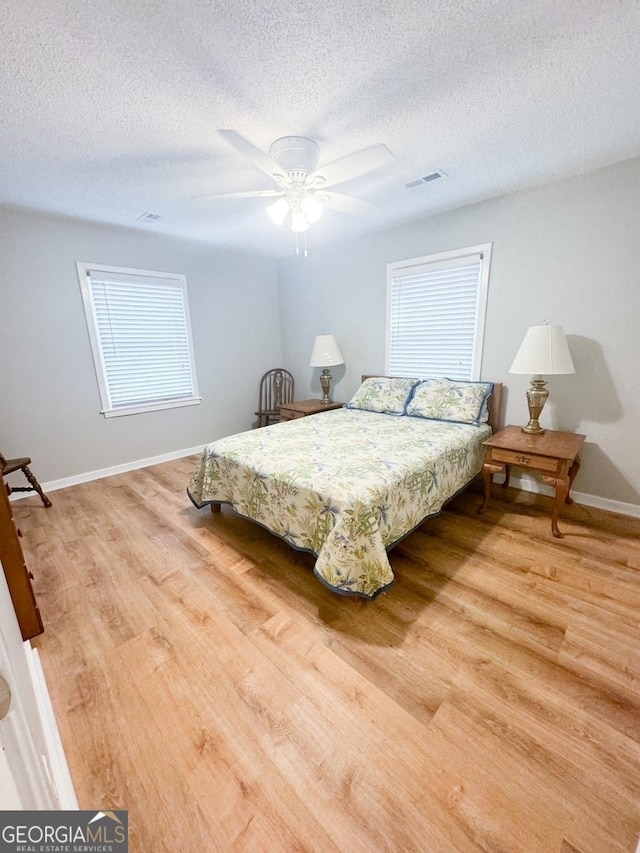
(143, 336)
(433, 318)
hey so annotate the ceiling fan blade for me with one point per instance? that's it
(349, 204)
(248, 194)
(248, 149)
(353, 165)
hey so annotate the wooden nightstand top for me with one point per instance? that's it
(552, 443)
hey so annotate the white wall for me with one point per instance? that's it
(49, 401)
(568, 253)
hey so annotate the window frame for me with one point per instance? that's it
(406, 266)
(84, 270)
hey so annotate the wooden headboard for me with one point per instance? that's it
(493, 405)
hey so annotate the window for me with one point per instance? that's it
(435, 314)
(140, 335)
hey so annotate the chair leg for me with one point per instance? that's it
(36, 486)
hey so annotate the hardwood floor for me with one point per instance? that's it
(205, 680)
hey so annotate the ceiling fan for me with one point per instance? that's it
(303, 189)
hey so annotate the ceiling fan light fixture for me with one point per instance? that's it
(311, 208)
(278, 211)
(292, 163)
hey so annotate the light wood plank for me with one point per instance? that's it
(206, 681)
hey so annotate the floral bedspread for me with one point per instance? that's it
(344, 484)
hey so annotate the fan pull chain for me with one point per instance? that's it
(305, 253)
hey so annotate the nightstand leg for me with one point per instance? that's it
(488, 470)
(507, 476)
(562, 490)
(573, 471)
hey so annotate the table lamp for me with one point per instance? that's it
(325, 353)
(544, 351)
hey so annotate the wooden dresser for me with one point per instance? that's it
(16, 572)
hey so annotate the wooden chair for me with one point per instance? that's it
(8, 466)
(276, 389)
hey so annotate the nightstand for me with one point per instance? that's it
(302, 408)
(554, 454)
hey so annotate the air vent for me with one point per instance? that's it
(425, 179)
(149, 217)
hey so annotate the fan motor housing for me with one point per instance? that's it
(295, 154)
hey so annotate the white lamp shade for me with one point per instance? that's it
(311, 208)
(325, 352)
(303, 213)
(544, 350)
(278, 210)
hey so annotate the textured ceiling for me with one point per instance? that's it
(110, 109)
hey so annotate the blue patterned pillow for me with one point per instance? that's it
(451, 400)
(384, 395)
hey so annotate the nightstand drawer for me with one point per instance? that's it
(527, 460)
(289, 414)
(302, 408)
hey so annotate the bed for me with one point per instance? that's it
(349, 484)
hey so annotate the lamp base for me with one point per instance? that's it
(533, 428)
(537, 396)
(325, 382)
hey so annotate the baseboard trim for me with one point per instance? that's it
(530, 485)
(76, 479)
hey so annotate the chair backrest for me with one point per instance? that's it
(276, 389)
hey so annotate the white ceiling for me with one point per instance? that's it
(110, 108)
